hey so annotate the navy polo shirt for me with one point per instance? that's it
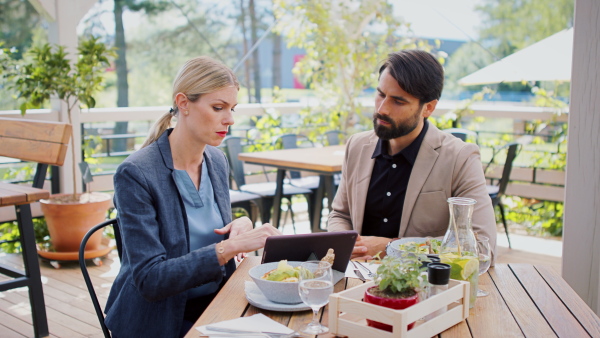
(387, 189)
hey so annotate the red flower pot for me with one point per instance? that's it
(392, 303)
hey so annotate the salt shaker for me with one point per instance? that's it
(438, 275)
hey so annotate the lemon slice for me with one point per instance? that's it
(468, 266)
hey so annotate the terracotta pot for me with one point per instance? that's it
(69, 222)
(392, 303)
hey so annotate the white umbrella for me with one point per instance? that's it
(546, 60)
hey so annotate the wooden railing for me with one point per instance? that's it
(526, 182)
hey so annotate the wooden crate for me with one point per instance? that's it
(348, 313)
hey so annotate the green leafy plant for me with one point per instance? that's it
(400, 277)
(10, 235)
(345, 41)
(47, 71)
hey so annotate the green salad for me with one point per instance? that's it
(421, 247)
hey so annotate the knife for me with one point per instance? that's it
(358, 273)
(259, 333)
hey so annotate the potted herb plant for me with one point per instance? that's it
(397, 284)
(47, 72)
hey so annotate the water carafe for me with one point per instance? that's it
(459, 247)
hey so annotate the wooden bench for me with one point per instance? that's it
(45, 143)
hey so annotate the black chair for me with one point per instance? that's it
(266, 190)
(84, 271)
(291, 141)
(463, 134)
(246, 201)
(497, 191)
(333, 137)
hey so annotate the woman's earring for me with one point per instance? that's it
(185, 112)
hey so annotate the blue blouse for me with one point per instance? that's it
(203, 217)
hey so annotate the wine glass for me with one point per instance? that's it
(315, 285)
(483, 247)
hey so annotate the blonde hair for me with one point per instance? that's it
(200, 75)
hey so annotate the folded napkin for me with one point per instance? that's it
(350, 270)
(256, 323)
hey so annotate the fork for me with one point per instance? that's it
(358, 273)
(370, 274)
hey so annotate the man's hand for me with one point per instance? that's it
(368, 246)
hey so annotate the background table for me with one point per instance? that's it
(325, 161)
(525, 301)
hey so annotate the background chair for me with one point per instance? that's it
(464, 134)
(291, 141)
(497, 191)
(334, 137)
(266, 190)
(247, 201)
(83, 266)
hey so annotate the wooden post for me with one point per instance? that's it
(581, 235)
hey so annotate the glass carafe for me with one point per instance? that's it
(459, 247)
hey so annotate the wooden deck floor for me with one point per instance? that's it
(70, 311)
(69, 308)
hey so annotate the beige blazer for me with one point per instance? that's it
(445, 167)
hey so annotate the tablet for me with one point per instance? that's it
(313, 246)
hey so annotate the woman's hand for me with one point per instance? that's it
(238, 226)
(245, 241)
(235, 228)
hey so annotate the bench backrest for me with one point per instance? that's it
(34, 141)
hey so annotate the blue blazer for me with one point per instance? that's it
(149, 294)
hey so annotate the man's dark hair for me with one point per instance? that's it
(418, 73)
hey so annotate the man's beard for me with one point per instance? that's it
(394, 130)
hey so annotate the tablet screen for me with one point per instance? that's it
(313, 246)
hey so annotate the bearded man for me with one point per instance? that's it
(397, 178)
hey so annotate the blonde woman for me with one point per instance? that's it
(174, 212)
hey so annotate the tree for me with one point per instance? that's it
(345, 41)
(18, 20)
(149, 7)
(510, 25)
(467, 59)
(255, 55)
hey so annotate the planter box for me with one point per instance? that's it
(348, 313)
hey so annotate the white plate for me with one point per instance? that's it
(256, 298)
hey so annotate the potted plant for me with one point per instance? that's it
(47, 72)
(398, 282)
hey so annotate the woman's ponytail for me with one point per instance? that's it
(159, 127)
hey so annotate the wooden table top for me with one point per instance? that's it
(13, 194)
(323, 159)
(525, 301)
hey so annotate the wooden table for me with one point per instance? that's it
(325, 161)
(525, 301)
(20, 197)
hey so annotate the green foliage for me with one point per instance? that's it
(344, 42)
(536, 217)
(268, 126)
(47, 71)
(401, 275)
(464, 108)
(9, 232)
